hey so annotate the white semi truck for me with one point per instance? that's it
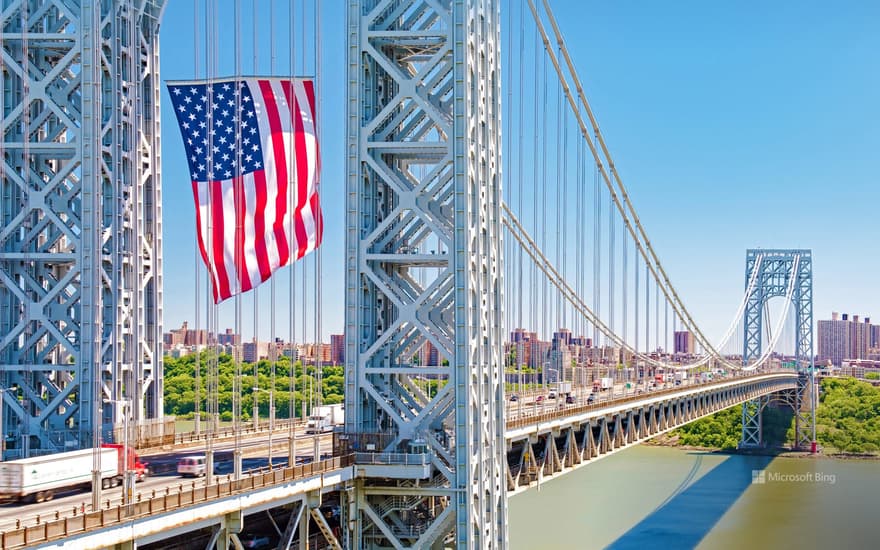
(38, 478)
(324, 418)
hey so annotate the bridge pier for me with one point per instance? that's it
(752, 425)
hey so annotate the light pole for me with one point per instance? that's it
(3, 391)
(127, 473)
(271, 415)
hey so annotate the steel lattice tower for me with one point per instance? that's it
(80, 218)
(775, 269)
(424, 271)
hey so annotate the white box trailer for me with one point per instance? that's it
(325, 417)
(38, 477)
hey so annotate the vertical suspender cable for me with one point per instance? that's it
(239, 263)
(197, 407)
(273, 346)
(666, 327)
(318, 252)
(291, 317)
(212, 313)
(597, 258)
(624, 287)
(533, 349)
(636, 297)
(647, 309)
(256, 289)
(611, 264)
(305, 273)
(508, 250)
(558, 194)
(519, 173)
(544, 298)
(562, 201)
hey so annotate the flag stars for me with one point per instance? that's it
(220, 129)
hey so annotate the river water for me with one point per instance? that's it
(658, 497)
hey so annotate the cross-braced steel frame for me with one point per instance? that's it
(80, 219)
(775, 270)
(424, 269)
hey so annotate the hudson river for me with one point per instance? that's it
(657, 497)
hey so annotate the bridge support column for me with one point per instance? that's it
(806, 398)
(752, 427)
(128, 545)
(304, 531)
(424, 266)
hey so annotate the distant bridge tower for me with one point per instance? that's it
(424, 270)
(80, 219)
(775, 269)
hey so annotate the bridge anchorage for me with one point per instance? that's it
(788, 274)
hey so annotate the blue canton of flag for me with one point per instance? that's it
(209, 124)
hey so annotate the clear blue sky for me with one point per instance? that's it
(734, 125)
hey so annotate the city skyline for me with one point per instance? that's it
(714, 163)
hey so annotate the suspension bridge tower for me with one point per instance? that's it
(424, 272)
(80, 220)
(787, 274)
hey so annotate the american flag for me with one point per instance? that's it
(253, 159)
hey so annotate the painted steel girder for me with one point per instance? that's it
(81, 236)
(423, 254)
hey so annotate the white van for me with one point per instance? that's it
(195, 466)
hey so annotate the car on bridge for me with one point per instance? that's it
(194, 466)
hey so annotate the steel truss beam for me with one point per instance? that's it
(775, 270)
(545, 450)
(424, 267)
(80, 219)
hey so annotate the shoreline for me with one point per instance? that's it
(783, 452)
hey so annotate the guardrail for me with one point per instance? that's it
(223, 433)
(405, 459)
(568, 410)
(60, 528)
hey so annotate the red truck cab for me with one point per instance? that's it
(139, 468)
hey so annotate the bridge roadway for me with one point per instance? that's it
(542, 443)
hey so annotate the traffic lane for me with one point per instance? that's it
(72, 502)
(166, 463)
